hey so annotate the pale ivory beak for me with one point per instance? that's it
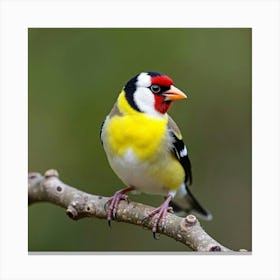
(174, 94)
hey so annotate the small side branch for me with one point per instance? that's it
(78, 204)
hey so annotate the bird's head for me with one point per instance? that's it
(152, 93)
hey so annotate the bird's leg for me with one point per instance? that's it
(114, 202)
(160, 214)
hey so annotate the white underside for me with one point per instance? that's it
(136, 174)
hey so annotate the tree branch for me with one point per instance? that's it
(78, 204)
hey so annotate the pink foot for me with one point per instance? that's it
(114, 203)
(159, 214)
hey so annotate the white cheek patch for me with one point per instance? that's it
(184, 152)
(145, 101)
(143, 80)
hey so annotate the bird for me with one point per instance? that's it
(145, 148)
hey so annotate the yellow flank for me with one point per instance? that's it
(148, 139)
(170, 173)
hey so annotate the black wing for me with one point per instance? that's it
(180, 150)
(181, 153)
(189, 202)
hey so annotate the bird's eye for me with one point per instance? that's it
(155, 88)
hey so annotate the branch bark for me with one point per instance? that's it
(78, 204)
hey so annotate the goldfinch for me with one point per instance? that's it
(145, 149)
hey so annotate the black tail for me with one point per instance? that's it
(188, 203)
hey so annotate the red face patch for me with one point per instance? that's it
(161, 105)
(162, 81)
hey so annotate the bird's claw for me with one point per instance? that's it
(156, 237)
(170, 210)
(114, 203)
(159, 218)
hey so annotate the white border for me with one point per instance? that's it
(17, 16)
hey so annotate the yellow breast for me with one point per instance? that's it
(143, 135)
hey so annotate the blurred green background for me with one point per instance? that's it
(74, 78)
